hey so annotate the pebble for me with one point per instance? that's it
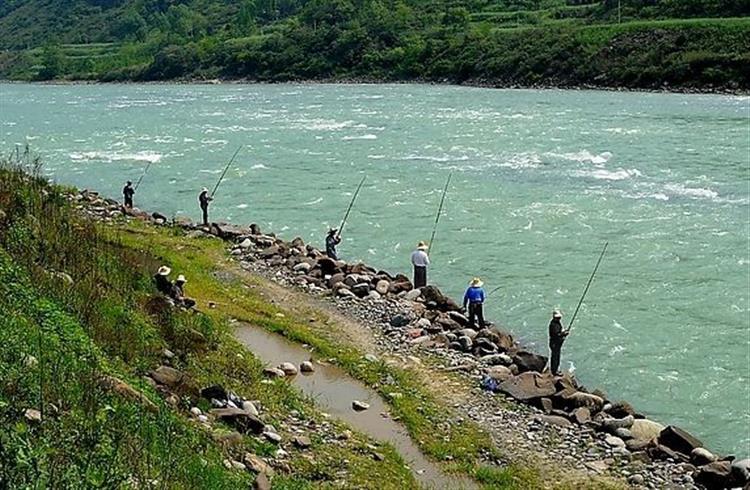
(359, 406)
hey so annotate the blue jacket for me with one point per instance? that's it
(474, 295)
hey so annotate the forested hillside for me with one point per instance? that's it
(632, 43)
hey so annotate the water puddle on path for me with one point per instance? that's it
(334, 390)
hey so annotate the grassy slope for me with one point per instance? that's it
(98, 325)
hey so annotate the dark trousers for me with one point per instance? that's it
(205, 215)
(420, 277)
(554, 360)
(128, 202)
(476, 312)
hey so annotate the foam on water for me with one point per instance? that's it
(108, 156)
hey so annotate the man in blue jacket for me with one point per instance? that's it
(474, 299)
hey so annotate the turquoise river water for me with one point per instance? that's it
(541, 179)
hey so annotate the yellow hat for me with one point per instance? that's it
(422, 246)
(476, 282)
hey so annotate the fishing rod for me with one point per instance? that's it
(225, 171)
(351, 204)
(496, 289)
(440, 210)
(601, 256)
(142, 175)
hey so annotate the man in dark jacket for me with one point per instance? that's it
(332, 239)
(474, 299)
(557, 336)
(127, 193)
(204, 199)
(163, 284)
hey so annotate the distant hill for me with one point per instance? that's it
(679, 44)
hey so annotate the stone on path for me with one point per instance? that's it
(359, 406)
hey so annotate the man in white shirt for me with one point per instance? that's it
(420, 260)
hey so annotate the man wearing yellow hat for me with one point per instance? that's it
(474, 299)
(420, 260)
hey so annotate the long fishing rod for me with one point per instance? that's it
(225, 171)
(601, 256)
(351, 204)
(440, 211)
(142, 175)
(496, 289)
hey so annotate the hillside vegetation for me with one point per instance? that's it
(80, 328)
(642, 44)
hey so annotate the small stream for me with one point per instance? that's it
(334, 390)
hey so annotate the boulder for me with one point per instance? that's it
(401, 284)
(246, 243)
(382, 287)
(497, 359)
(499, 373)
(361, 290)
(336, 279)
(635, 445)
(431, 294)
(468, 332)
(581, 415)
(249, 407)
(302, 267)
(621, 409)
(740, 471)
(412, 295)
(274, 372)
(678, 440)
(169, 376)
(458, 318)
(645, 430)
(623, 433)
(302, 442)
(528, 386)
(716, 475)
(215, 392)
(307, 367)
(465, 343)
(288, 368)
(583, 399)
(327, 266)
(614, 441)
(555, 420)
(701, 456)
(447, 323)
(611, 425)
(399, 321)
(239, 419)
(256, 464)
(529, 361)
(546, 405)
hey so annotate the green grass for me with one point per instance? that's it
(100, 324)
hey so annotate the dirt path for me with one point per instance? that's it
(508, 423)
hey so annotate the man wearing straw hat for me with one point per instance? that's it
(420, 260)
(163, 284)
(178, 292)
(557, 336)
(474, 299)
(204, 199)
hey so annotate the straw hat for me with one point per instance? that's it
(181, 278)
(556, 313)
(164, 270)
(422, 246)
(477, 283)
(331, 231)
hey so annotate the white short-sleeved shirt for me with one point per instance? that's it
(420, 258)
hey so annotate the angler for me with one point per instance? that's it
(332, 239)
(420, 260)
(127, 194)
(474, 300)
(557, 335)
(204, 199)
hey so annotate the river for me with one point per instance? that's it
(541, 179)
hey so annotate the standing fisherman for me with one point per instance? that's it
(420, 260)
(474, 298)
(332, 239)
(204, 199)
(127, 193)
(557, 336)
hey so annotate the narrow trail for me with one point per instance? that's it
(456, 390)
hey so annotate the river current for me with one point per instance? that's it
(541, 180)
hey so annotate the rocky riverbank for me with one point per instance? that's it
(512, 396)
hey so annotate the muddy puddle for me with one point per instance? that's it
(334, 390)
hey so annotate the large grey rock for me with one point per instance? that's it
(239, 419)
(529, 361)
(700, 456)
(168, 376)
(678, 440)
(497, 359)
(741, 471)
(645, 430)
(716, 475)
(583, 399)
(528, 386)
